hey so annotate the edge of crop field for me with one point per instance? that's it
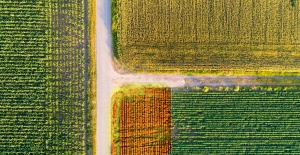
(126, 87)
(220, 72)
(254, 88)
(239, 73)
(117, 63)
(115, 123)
(114, 28)
(92, 114)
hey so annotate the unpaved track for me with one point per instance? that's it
(107, 78)
(103, 139)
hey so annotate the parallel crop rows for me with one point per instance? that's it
(208, 35)
(142, 122)
(235, 122)
(67, 79)
(23, 108)
(209, 21)
(42, 77)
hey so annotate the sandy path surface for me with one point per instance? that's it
(103, 77)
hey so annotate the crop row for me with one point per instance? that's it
(235, 122)
(141, 121)
(23, 118)
(207, 36)
(206, 21)
(67, 81)
(42, 77)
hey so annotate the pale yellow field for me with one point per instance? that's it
(208, 35)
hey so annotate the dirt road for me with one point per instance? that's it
(104, 77)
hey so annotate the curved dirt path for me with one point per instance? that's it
(108, 78)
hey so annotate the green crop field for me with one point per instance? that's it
(207, 36)
(261, 121)
(206, 120)
(43, 77)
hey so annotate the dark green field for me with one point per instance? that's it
(244, 122)
(43, 77)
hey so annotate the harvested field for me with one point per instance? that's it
(141, 121)
(207, 36)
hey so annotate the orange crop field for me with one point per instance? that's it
(142, 121)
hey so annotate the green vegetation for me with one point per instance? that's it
(67, 84)
(114, 14)
(23, 101)
(92, 114)
(236, 120)
(44, 77)
(283, 80)
(207, 36)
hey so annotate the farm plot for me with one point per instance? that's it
(245, 121)
(24, 113)
(141, 122)
(207, 36)
(43, 82)
(67, 82)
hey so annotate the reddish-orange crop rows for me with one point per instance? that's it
(144, 122)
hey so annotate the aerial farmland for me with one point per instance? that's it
(239, 64)
(206, 120)
(147, 77)
(44, 84)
